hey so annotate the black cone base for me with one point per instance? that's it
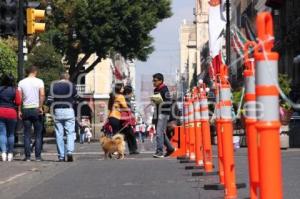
(213, 173)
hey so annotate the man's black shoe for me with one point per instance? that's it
(169, 153)
(61, 160)
(70, 158)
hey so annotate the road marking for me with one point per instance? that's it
(95, 153)
(13, 178)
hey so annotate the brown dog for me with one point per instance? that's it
(112, 145)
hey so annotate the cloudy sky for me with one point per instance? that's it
(165, 59)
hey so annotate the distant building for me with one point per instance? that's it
(201, 21)
(188, 47)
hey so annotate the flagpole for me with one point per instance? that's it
(228, 51)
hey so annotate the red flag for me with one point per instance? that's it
(118, 74)
(216, 63)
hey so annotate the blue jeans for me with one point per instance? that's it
(82, 137)
(161, 138)
(33, 117)
(64, 120)
(7, 135)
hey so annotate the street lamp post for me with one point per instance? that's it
(228, 43)
(20, 40)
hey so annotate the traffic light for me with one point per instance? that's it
(8, 17)
(33, 16)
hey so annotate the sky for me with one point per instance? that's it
(165, 59)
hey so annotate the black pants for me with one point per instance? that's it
(130, 138)
(115, 124)
(33, 117)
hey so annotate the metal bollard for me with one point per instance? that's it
(268, 124)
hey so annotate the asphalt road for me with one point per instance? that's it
(136, 177)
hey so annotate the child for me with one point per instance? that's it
(85, 123)
(88, 134)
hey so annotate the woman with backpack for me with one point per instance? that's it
(10, 99)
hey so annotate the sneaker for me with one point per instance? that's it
(10, 157)
(4, 157)
(27, 159)
(61, 160)
(168, 153)
(70, 158)
(158, 155)
(39, 159)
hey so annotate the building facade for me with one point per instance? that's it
(98, 83)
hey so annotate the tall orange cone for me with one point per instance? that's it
(250, 121)
(219, 138)
(186, 127)
(207, 148)
(221, 184)
(192, 132)
(208, 160)
(198, 129)
(268, 124)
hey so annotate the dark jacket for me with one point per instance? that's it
(7, 97)
(165, 107)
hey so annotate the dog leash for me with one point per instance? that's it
(122, 129)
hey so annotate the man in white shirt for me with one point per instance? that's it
(33, 95)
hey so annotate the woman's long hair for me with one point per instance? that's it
(112, 95)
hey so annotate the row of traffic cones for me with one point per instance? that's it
(193, 138)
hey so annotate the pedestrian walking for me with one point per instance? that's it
(33, 95)
(84, 125)
(162, 101)
(10, 100)
(142, 132)
(116, 105)
(137, 132)
(151, 130)
(63, 96)
(130, 122)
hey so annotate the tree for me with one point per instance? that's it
(105, 27)
(8, 60)
(48, 60)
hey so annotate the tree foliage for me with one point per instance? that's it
(48, 61)
(8, 60)
(105, 27)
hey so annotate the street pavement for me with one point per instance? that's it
(136, 177)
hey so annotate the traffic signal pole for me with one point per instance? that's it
(20, 40)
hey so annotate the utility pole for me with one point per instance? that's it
(20, 40)
(228, 43)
